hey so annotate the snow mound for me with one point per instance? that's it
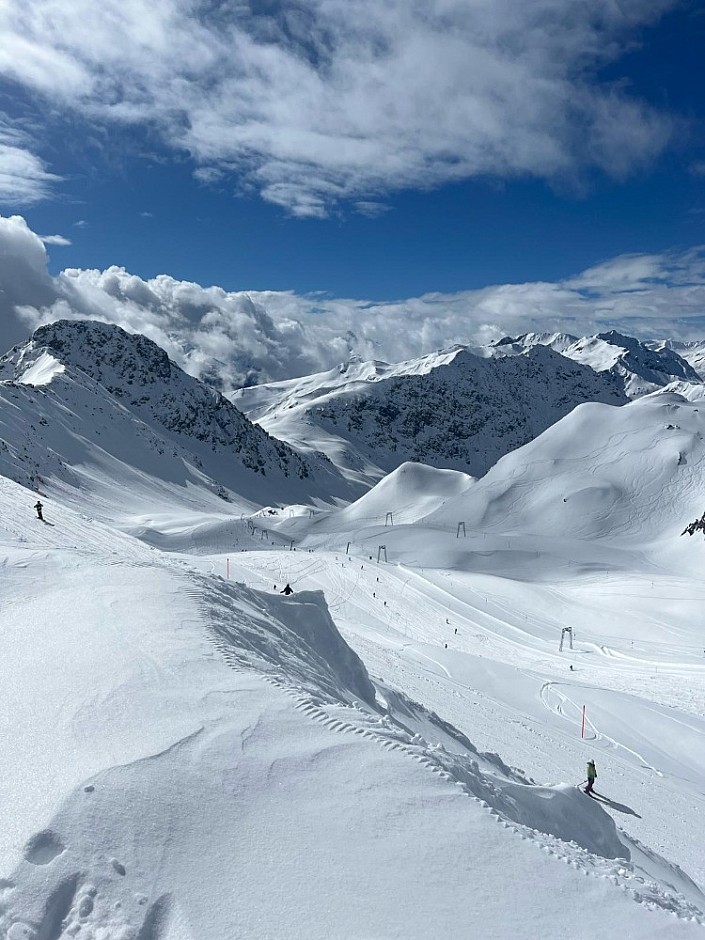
(410, 492)
(631, 473)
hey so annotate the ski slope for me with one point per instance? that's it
(392, 752)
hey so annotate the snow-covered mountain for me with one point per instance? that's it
(640, 367)
(82, 395)
(559, 342)
(394, 750)
(693, 352)
(459, 409)
(630, 474)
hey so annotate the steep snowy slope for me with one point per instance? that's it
(639, 367)
(459, 409)
(693, 352)
(213, 761)
(81, 396)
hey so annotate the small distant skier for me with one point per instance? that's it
(288, 589)
(38, 506)
(591, 776)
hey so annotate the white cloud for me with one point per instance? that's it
(317, 101)
(60, 240)
(24, 279)
(209, 175)
(235, 337)
(371, 209)
(24, 180)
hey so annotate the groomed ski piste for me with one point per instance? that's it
(394, 751)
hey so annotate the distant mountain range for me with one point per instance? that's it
(640, 367)
(465, 407)
(86, 404)
(461, 409)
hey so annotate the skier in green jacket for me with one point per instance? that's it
(591, 776)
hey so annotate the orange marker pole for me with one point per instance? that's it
(227, 569)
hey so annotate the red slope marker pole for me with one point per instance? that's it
(227, 569)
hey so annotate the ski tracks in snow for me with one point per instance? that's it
(493, 795)
(463, 772)
(560, 703)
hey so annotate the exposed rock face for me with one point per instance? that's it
(183, 413)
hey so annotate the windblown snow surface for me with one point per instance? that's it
(392, 751)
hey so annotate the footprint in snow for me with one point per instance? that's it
(43, 848)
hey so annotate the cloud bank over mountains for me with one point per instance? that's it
(314, 102)
(242, 337)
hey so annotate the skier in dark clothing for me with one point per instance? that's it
(287, 590)
(38, 507)
(591, 776)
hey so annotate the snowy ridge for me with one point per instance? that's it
(693, 352)
(82, 393)
(550, 819)
(457, 410)
(639, 367)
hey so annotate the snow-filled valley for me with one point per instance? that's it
(392, 751)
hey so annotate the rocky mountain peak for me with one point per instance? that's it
(138, 374)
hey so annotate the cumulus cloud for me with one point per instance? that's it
(24, 279)
(235, 338)
(316, 101)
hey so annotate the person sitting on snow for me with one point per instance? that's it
(287, 590)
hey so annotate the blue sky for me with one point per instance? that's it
(323, 146)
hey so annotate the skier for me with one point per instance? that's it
(288, 589)
(38, 507)
(591, 776)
